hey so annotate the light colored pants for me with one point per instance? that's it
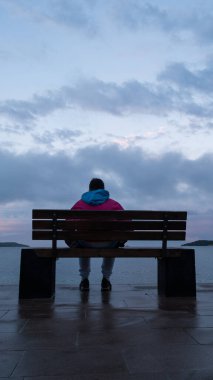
(106, 268)
(84, 262)
(107, 263)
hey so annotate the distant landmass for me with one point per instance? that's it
(200, 243)
(12, 244)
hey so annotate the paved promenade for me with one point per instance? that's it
(130, 334)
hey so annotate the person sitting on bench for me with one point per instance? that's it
(97, 198)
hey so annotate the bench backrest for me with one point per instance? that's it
(57, 225)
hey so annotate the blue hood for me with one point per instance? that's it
(95, 197)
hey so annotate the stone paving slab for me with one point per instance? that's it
(142, 358)
(202, 335)
(128, 334)
(8, 362)
(68, 362)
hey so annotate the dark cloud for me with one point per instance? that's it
(195, 19)
(129, 97)
(184, 78)
(29, 111)
(49, 137)
(109, 97)
(67, 133)
(14, 129)
(74, 13)
(138, 180)
(136, 15)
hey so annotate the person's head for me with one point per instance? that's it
(96, 184)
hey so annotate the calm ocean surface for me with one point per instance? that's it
(126, 271)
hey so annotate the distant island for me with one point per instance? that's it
(12, 244)
(200, 243)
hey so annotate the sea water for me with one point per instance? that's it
(134, 271)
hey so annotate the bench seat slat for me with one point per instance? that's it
(108, 235)
(108, 225)
(118, 252)
(130, 214)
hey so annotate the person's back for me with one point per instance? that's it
(97, 198)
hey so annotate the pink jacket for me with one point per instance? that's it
(97, 200)
(110, 204)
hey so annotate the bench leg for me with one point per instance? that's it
(176, 276)
(37, 276)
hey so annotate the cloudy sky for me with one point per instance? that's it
(119, 89)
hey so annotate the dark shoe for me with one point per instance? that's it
(84, 285)
(105, 285)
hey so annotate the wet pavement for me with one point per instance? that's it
(129, 333)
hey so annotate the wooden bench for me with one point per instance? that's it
(176, 266)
